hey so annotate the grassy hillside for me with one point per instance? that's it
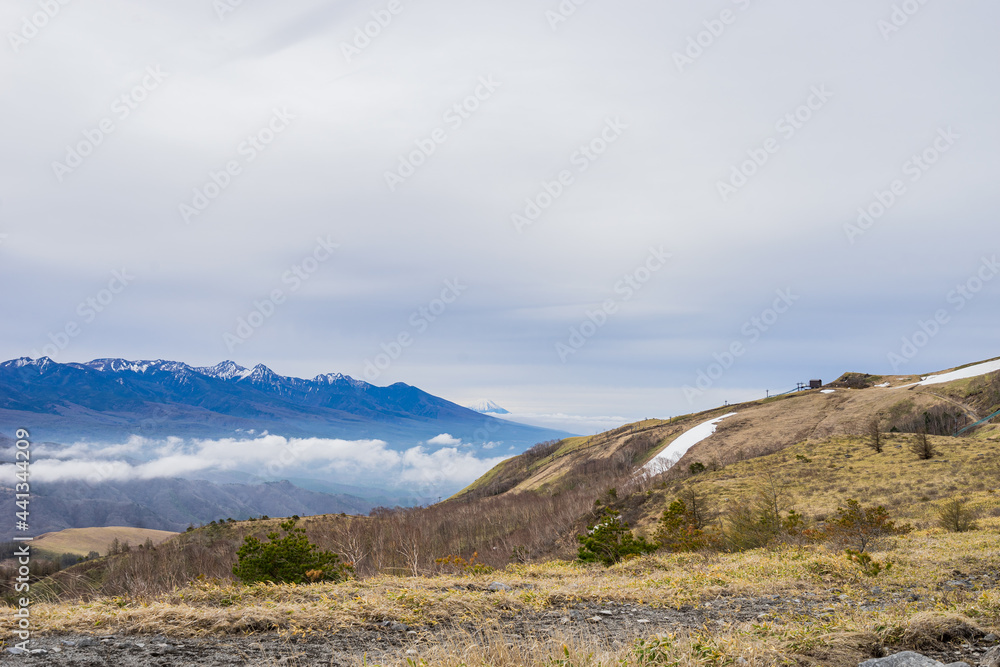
(759, 427)
(81, 541)
(816, 478)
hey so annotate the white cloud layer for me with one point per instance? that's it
(269, 457)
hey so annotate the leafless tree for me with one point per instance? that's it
(923, 447)
(698, 506)
(873, 430)
(351, 540)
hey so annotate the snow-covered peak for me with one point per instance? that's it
(126, 366)
(338, 378)
(117, 365)
(41, 363)
(488, 407)
(170, 366)
(260, 373)
(226, 370)
(330, 378)
(334, 378)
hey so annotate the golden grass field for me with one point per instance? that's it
(818, 477)
(81, 541)
(817, 607)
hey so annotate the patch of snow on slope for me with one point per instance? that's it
(828, 391)
(963, 373)
(680, 446)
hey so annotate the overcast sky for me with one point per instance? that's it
(168, 169)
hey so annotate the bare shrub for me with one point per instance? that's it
(955, 516)
(758, 521)
(873, 431)
(923, 447)
(862, 527)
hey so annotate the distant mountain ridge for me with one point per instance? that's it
(117, 397)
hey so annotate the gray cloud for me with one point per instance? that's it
(657, 185)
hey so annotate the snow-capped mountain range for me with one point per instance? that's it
(116, 397)
(226, 370)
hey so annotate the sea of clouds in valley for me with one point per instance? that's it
(441, 464)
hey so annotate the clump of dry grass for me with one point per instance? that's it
(931, 629)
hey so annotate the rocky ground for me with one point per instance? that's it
(609, 623)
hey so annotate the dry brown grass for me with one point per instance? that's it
(819, 476)
(81, 541)
(459, 621)
(922, 561)
(760, 428)
(493, 647)
(932, 629)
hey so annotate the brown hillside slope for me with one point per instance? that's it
(758, 428)
(81, 541)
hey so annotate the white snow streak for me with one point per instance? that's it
(680, 446)
(961, 374)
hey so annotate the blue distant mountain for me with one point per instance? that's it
(115, 398)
